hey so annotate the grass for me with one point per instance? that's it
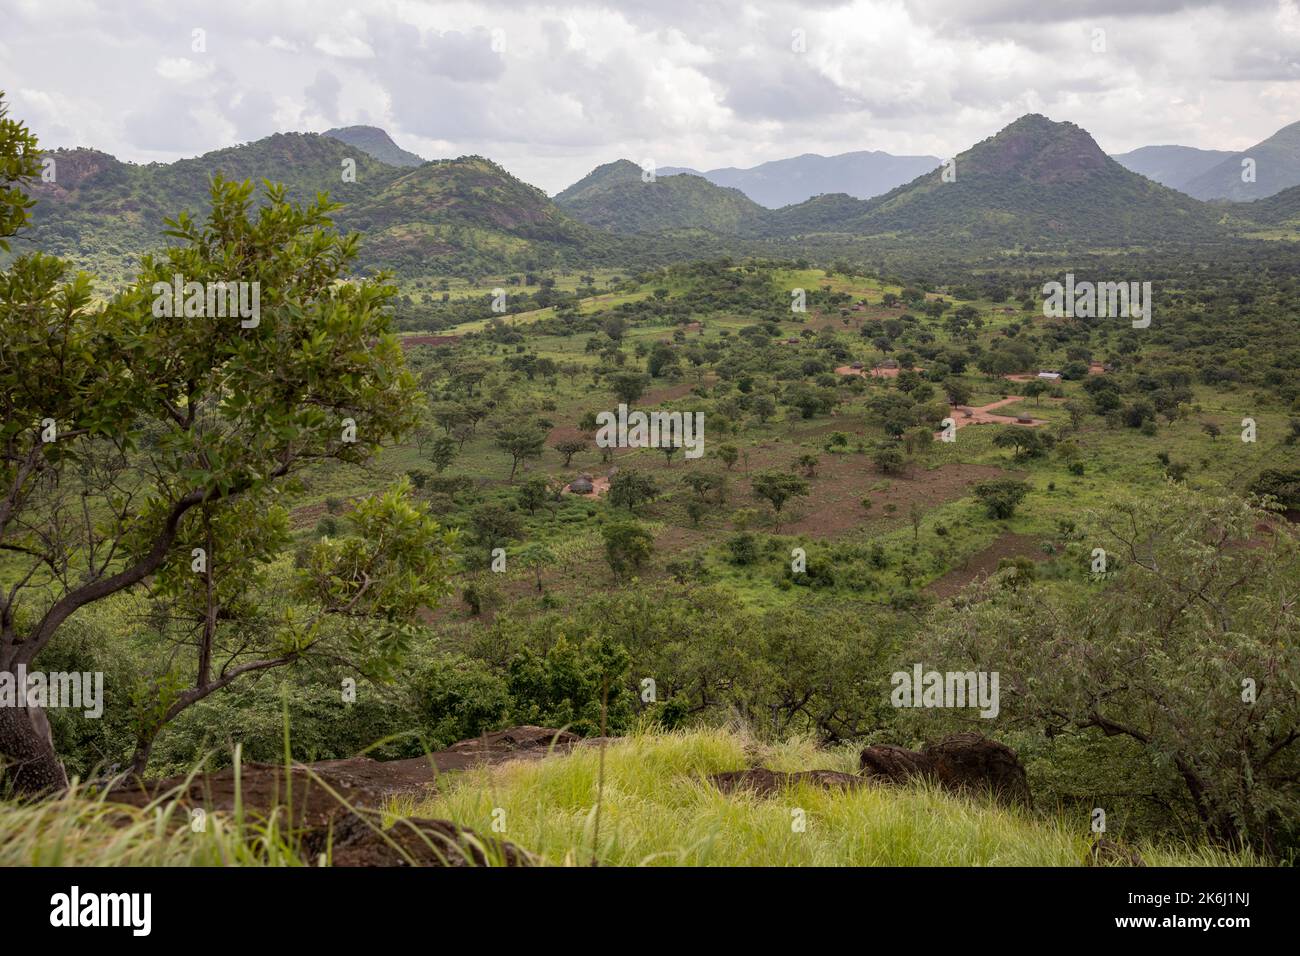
(659, 809)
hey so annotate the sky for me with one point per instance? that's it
(551, 91)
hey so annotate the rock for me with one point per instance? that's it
(962, 763)
(360, 840)
(765, 782)
(581, 485)
(895, 764)
(971, 762)
(1107, 852)
(515, 740)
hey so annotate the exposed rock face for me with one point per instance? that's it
(516, 739)
(961, 763)
(357, 840)
(765, 782)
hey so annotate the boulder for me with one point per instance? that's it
(359, 840)
(971, 762)
(962, 763)
(581, 485)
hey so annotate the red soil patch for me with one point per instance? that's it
(359, 781)
(963, 415)
(411, 341)
(981, 565)
(872, 372)
(834, 505)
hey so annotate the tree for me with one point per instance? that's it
(627, 546)
(629, 386)
(570, 447)
(1185, 653)
(1026, 442)
(536, 558)
(443, 453)
(1001, 496)
(532, 494)
(808, 462)
(630, 489)
(776, 488)
(170, 425)
(958, 392)
(521, 442)
(729, 455)
(1035, 389)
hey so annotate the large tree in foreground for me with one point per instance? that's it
(1187, 648)
(143, 446)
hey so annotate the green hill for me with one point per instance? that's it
(101, 213)
(614, 198)
(1277, 167)
(465, 213)
(1034, 181)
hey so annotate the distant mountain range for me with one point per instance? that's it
(1036, 182)
(376, 143)
(1172, 166)
(1276, 166)
(784, 182)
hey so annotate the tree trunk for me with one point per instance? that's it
(31, 766)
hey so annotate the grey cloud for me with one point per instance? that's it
(323, 94)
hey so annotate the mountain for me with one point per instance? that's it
(1280, 209)
(1034, 181)
(376, 143)
(783, 182)
(1277, 167)
(614, 198)
(1172, 166)
(465, 214)
(101, 213)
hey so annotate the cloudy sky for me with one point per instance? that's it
(551, 90)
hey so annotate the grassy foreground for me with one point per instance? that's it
(658, 809)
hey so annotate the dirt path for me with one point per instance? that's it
(328, 788)
(984, 563)
(963, 415)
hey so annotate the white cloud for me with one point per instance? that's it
(581, 82)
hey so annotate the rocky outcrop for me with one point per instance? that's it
(966, 763)
(359, 840)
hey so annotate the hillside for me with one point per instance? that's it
(1172, 166)
(101, 212)
(1277, 167)
(1034, 181)
(783, 182)
(457, 213)
(376, 143)
(614, 198)
(1279, 209)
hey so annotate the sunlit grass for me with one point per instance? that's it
(658, 808)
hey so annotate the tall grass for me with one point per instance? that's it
(658, 808)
